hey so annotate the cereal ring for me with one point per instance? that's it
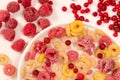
(98, 75)
(66, 71)
(23, 72)
(64, 78)
(105, 40)
(68, 32)
(100, 32)
(77, 26)
(58, 45)
(43, 76)
(106, 53)
(93, 34)
(41, 58)
(114, 49)
(29, 78)
(87, 61)
(3, 59)
(82, 67)
(97, 51)
(9, 70)
(87, 77)
(72, 55)
(62, 57)
(117, 65)
(30, 63)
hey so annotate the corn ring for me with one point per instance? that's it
(68, 32)
(106, 53)
(100, 32)
(87, 77)
(77, 26)
(87, 61)
(41, 58)
(66, 71)
(114, 49)
(30, 63)
(3, 59)
(62, 57)
(82, 67)
(99, 75)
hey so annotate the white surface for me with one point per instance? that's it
(57, 17)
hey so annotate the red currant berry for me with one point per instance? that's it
(46, 40)
(48, 63)
(102, 46)
(100, 55)
(35, 73)
(71, 66)
(68, 42)
(75, 70)
(64, 8)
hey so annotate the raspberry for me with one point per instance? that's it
(30, 14)
(44, 23)
(29, 29)
(9, 34)
(19, 1)
(26, 3)
(0, 24)
(45, 10)
(18, 45)
(11, 23)
(4, 15)
(43, 1)
(13, 7)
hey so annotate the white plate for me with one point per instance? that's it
(44, 33)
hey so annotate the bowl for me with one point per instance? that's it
(44, 33)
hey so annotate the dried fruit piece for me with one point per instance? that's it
(116, 74)
(106, 65)
(44, 23)
(11, 23)
(51, 54)
(13, 7)
(30, 14)
(9, 34)
(18, 45)
(29, 29)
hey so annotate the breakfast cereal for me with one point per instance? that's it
(72, 53)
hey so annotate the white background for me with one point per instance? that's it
(57, 17)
